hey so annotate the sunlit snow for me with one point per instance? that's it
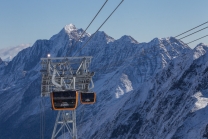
(201, 101)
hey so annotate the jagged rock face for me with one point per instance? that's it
(144, 90)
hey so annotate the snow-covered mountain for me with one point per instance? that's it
(154, 90)
(7, 54)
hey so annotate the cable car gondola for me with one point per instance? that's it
(87, 98)
(64, 100)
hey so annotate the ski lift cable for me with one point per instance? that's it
(191, 29)
(197, 39)
(193, 33)
(99, 28)
(87, 27)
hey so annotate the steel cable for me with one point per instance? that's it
(193, 33)
(99, 28)
(197, 39)
(191, 29)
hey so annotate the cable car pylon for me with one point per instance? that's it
(63, 79)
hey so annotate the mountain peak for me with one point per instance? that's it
(128, 39)
(71, 31)
(200, 50)
(201, 45)
(69, 28)
(100, 35)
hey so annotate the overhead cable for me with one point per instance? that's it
(88, 26)
(191, 29)
(99, 28)
(193, 33)
(197, 39)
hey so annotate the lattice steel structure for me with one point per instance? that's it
(66, 73)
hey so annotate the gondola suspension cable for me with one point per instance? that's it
(193, 33)
(99, 28)
(197, 39)
(191, 29)
(87, 27)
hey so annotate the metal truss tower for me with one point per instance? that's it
(66, 73)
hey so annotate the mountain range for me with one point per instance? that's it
(154, 90)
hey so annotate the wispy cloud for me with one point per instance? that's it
(9, 53)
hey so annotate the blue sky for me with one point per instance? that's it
(24, 21)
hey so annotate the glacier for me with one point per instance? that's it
(153, 90)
